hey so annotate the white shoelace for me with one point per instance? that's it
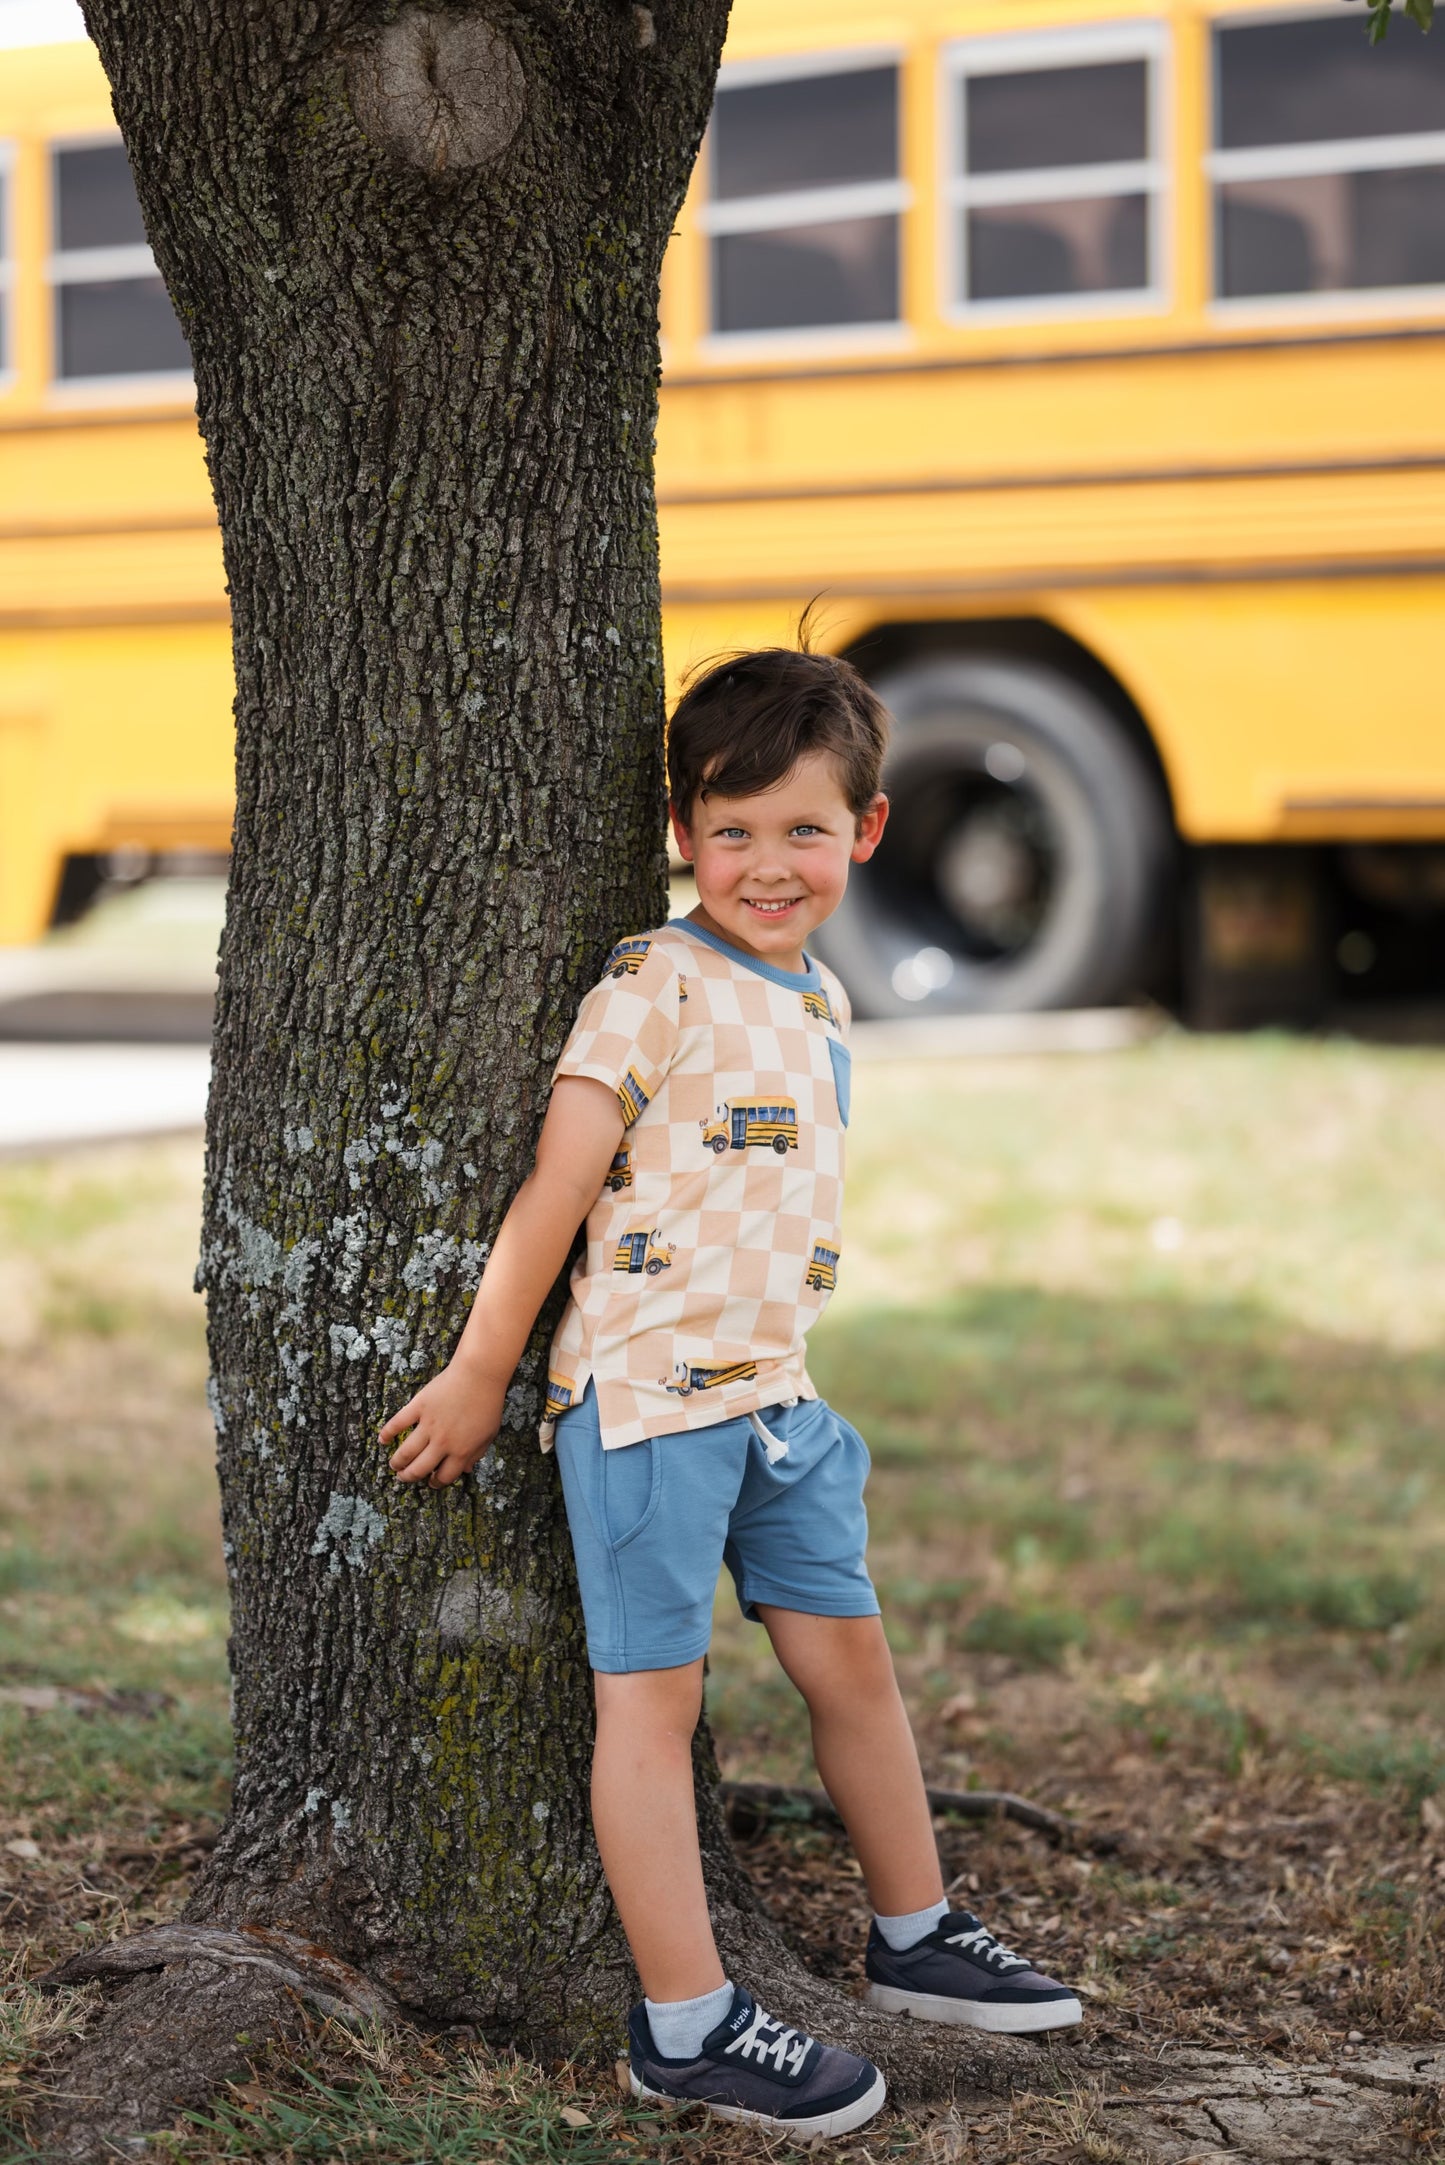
(786, 2049)
(989, 1950)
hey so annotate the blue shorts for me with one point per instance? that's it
(652, 1524)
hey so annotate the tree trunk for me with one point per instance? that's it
(416, 252)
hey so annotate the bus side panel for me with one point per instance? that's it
(28, 856)
(124, 739)
(1289, 710)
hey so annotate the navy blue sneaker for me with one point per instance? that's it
(959, 1972)
(753, 2068)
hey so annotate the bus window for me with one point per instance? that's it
(113, 316)
(1329, 160)
(1056, 168)
(804, 196)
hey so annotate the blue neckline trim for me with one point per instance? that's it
(807, 980)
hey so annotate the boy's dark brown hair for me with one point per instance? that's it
(742, 726)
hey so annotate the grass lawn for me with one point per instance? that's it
(1149, 1350)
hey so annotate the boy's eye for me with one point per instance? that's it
(732, 834)
(805, 828)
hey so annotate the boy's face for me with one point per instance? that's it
(772, 868)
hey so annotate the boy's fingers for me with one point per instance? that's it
(407, 1453)
(423, 1465)
(398, 1422)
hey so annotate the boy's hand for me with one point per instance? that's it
(453, 1419)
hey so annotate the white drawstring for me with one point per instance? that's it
(775, 1446)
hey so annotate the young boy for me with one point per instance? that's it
(696, 1123)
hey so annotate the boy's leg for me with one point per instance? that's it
(646, 1825)
(648, 1528)
(947, 1967)
(864, 1749)
(732, 2056)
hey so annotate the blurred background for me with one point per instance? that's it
(1084, 359)
(1080, 357)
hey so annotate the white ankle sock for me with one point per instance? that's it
(679, 2026)
(901, 1932)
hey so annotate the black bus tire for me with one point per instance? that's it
(1079, 820)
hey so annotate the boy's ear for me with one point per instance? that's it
(870, 829)
(680, 834)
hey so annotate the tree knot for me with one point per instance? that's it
(438, 90)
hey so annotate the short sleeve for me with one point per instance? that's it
(626, 1030)
(838, 1000)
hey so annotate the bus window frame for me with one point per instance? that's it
(9, 282)
(811, 206)
(161, 387)
(1333, 304)
(1150, 39)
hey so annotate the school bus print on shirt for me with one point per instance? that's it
(686, 1380)
(644, 1251)
(561, 1391)
(816, 1005)
(822, 1268)
(619, 1172)
(626, 958)
(770, 1123)
(631, 1096)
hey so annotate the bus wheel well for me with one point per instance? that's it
(1026, 638)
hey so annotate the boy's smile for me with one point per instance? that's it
(771, 868)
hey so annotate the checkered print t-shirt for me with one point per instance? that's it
(714, 1243)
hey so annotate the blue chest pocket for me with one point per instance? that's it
(842, 1075)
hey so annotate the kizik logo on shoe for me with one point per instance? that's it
(773, 2045)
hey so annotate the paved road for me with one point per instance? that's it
(57, 1094)
(54, 1095)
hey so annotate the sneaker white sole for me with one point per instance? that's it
(841, 2122)
(1013, 2021)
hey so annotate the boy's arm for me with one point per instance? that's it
(454, 1418)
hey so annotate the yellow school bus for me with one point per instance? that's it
(1081, 354)
(644, 1251)
(745, 1123)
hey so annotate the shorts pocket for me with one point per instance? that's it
(631, 1489)
(849, 1434)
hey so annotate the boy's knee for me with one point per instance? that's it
(663, 1704)
(834, 1658)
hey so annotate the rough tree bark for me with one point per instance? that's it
(416, 250)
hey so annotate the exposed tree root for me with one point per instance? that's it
(165, 2043)
(196, 2004)
(330, 1986)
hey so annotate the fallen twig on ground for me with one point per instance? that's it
(750, 1805)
